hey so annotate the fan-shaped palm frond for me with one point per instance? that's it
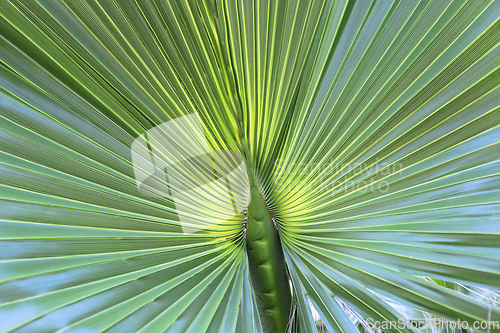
(247, 166)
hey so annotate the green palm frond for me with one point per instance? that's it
(368, 132)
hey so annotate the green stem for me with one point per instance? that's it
(266, 260)
(267, 266)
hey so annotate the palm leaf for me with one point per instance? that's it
(369, 129)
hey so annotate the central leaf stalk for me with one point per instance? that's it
(266, 260)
